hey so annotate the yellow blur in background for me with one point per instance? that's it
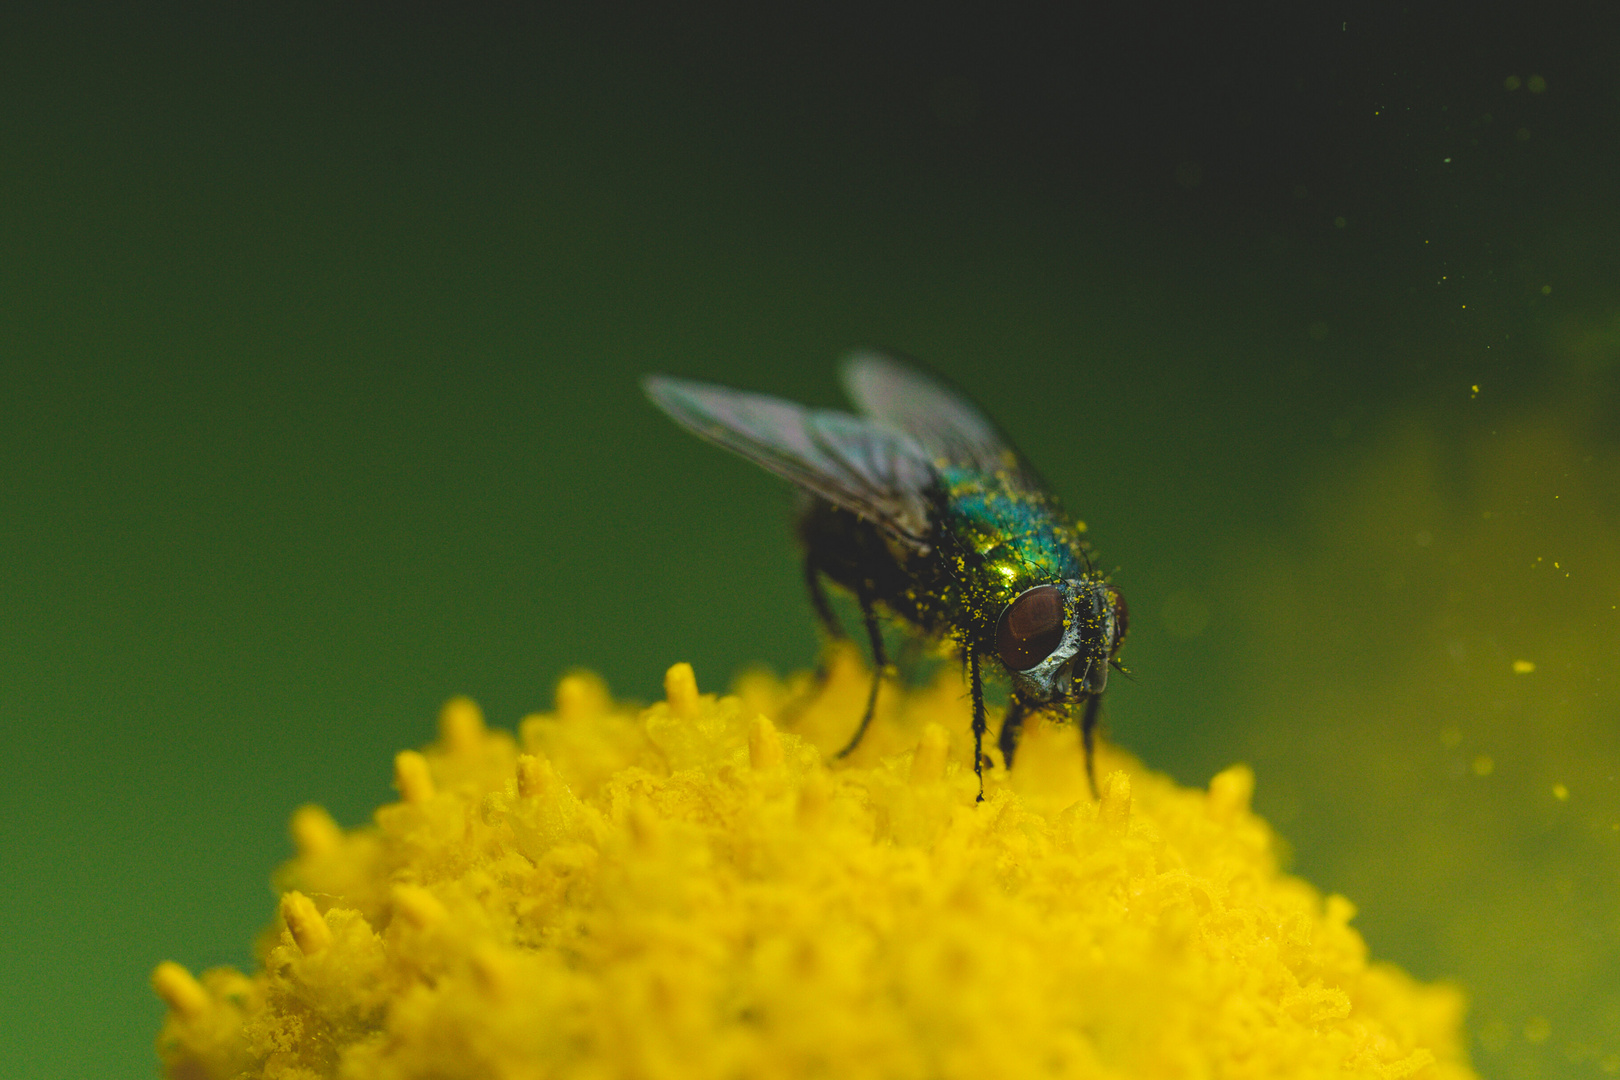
(1439, 646)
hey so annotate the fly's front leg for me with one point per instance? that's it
(880, 664)
(1012, 726)
(976, 689)
(1088, 737)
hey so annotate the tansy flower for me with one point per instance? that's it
(696, 890)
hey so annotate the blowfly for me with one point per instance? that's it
(922, 510)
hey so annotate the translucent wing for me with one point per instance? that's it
(943, 422)
(862, 466)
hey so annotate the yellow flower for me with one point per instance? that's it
(693, 891)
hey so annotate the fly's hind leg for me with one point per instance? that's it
(880, 664)
(1088, 738)
(1012, 726)
(831, 628)
(818, 602)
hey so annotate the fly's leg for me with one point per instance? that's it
(1012, 726)
(830, 626)
(834, 632)
(1088, 738)
(818, 601)
(976, 688)
(880, 663)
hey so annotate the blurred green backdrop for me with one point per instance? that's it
(321, 327)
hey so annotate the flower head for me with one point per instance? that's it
(693, 890)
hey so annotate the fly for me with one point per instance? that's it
(922, 509)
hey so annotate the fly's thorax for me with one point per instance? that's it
(1013, 536)
(1056, 639)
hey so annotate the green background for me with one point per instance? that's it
(320, 332)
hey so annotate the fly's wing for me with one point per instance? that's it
(862, 466)
(943, 422)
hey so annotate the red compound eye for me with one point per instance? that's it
(1122, 619)
(1030, 627)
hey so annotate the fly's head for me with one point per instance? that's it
(1057, 640)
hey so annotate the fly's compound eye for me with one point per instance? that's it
(1030, 627)
(1122, 617)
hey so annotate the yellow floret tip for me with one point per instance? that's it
(698, 889)
(412, 778)
(418, 907)
(461, 725)
(680, 690)
(581, 695)
(764, 744)
(1115, 810)
(305, 924)
(1230, 792)
(928, 762)
(534, 776)
(182, 993)
(314, 832)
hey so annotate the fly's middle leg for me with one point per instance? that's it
(834, 635)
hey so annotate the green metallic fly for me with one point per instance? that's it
(921, 508)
